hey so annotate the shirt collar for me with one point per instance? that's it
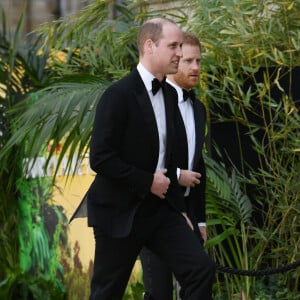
(178, 90)
(146, 76)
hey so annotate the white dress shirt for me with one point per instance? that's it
(158, 105)
(187, 113)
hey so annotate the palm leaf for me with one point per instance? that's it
(226, 199)
(240, 204)
(65, 112)
(105, 46)
(217, 176)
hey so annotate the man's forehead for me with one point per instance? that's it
(190, 48)
(172, 37)
(170, 27)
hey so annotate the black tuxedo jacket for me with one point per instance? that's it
(195, 202)
(124, 151)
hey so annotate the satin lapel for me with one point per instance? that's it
(199, 116)
(182, 142)
(169, 109)
(146, 108)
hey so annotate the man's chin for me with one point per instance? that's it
(194, 82)
(172, 70)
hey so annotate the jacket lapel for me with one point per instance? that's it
(199, 116)
(169, 129)
(182, 142)
(170, 96)
(146, 108)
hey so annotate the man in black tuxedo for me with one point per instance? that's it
(190, 129)
(135, 199)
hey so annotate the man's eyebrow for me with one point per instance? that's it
(175, 44)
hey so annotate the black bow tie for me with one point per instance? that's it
(156, 85)
(188, 95)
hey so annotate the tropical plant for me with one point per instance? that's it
(88, 52)
(28, 259)
(19, 286)
(249, 47)
(9, 84)
(249, 71)
(23, 72)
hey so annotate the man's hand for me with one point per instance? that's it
(189, 178)
(203, 233)
(160, 184)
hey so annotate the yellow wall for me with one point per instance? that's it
(69, 195)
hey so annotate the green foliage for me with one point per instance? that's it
(9, 89)
(248, 48)
(229, 223)
(77, 284)
(40, 239)
(94, 42)
(21, 286)
(248, 34)
(26, 263)
(241, 39)
(274, 288)
(64, 117)
(134, 291)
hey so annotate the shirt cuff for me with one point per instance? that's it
(201, 224)
(178, 173)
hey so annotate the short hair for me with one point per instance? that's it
(191, 39)
(151, 29)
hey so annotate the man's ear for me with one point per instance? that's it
(148, 46)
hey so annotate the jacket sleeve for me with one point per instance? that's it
(200, 203)
(200, 199)
(105, 146)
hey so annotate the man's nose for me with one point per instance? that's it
(179, 52)
(195, 66)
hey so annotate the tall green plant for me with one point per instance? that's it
(230, 211)
(10, 170)
(87, 53)
(249, 47)
(23, 70)
(238, 37)
(64, 116)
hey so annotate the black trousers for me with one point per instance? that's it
(157, 276)
(167, 235)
